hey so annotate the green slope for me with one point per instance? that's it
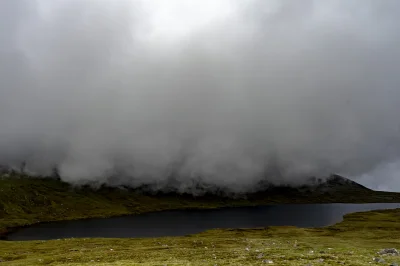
(25, 200)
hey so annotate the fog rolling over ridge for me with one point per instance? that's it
(222, 92)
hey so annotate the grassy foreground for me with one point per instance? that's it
(355, 241)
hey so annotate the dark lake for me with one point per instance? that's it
(179, 223)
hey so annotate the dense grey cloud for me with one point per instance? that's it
(276, 90)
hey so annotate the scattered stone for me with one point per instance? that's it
(247, 249)
(394, 264)
(379, 260)
(259, 256)
(311, 251)
(268, 261)
(388, 251)
(321, 260)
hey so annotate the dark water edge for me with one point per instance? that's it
(185, 222)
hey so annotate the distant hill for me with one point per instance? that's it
(338, 183)
(335, 188)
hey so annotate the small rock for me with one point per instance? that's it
(394, 264)
(268, 261)
(321, 260)
(389, 251)
(379, 260)
(311, 251)
(247, 249)
(259, 256)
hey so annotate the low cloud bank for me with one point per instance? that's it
(221, 94)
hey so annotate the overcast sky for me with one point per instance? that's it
(227, 92)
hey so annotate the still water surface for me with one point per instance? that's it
(179, 223)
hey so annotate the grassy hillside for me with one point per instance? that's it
(25, 200)
(355, 241)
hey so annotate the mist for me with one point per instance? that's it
(219, 93)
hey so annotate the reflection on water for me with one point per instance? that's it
(178, 223)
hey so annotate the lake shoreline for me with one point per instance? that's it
(353, 241)
(26, 201)
(259, 216)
